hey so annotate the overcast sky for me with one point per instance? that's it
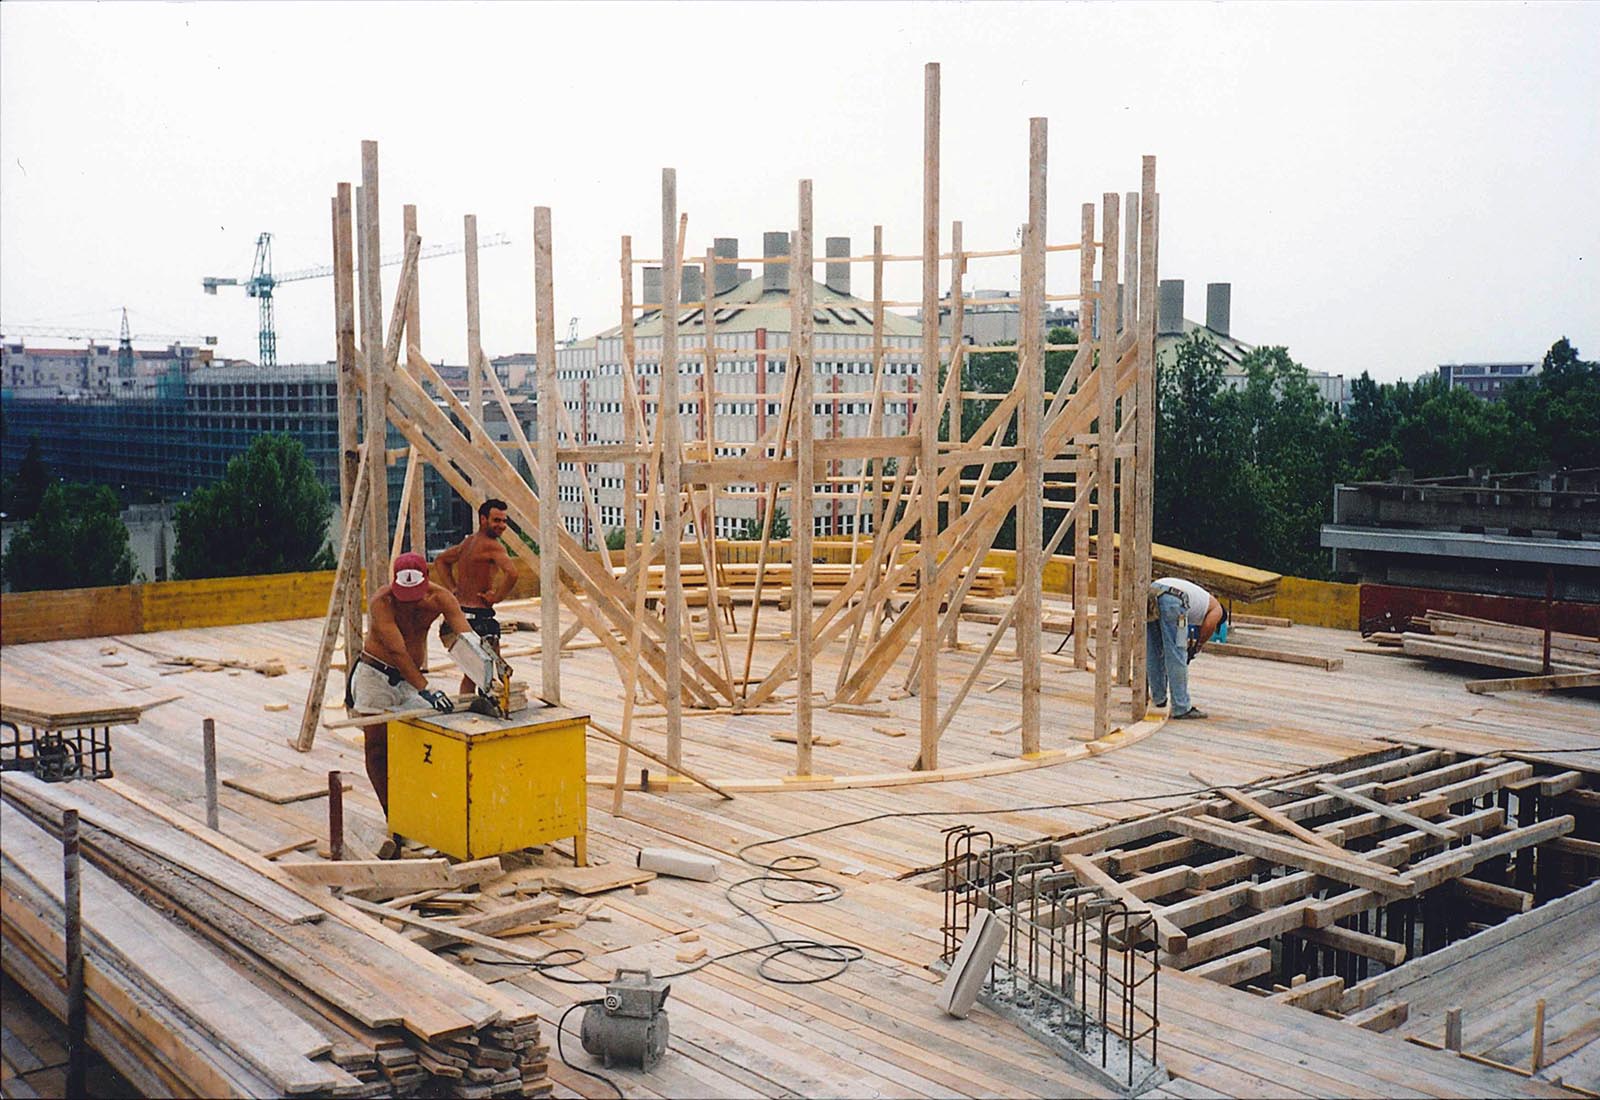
(1387, 186)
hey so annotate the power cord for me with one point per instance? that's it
(792, 868)
(561, 1026)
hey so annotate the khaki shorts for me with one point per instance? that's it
(374, 694)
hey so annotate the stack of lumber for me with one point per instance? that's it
(1221, 578)
(210, 972)
(32, 708)
(1439, 635)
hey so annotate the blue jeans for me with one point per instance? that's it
(1166, 651)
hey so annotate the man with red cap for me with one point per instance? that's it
(388, 675)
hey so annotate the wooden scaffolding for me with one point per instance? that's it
(934, 498)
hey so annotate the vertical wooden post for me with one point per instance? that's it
(1452, 1028)
(469, 236)
(372, 340)
(415, 500)
(928, 457)
(349, 396)
(1131, 631)
(1080, 526)
(335, 816)
(630, 417)
(805, 430)
(208, 743)
(1105, 530)
(1030, 380)
(72, 935)
(670, 431)
(958, 316)
(1144, 432)
(549, 470)
(1538, 1036)
(708, 382)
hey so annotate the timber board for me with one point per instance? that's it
(875, 1027)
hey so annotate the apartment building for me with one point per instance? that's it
(727, 409)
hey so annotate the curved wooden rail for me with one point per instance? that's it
(1118, 738)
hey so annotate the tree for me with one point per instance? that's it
(616, 539)
(24, 491)
(76, 539)
(750, 529)
(268, 514)
(1556, 416)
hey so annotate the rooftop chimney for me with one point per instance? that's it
(693, 286)
(838, 275)
(726, 248)
(774, 276)
(651, 295)
(1219, 303)
(1169, 308)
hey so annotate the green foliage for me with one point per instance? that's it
(1248, 474)
(268, 514)
(616, 539)
(76, 539)
(750, 529)
(24, 491)
(1557, 415)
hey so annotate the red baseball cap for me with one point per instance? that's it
(410, 578)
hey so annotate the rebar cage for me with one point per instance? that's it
(1075, 966)
(56, 755)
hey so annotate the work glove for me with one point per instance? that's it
(439, 701)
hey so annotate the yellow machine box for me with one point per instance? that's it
(473, 786)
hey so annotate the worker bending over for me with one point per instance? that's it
(471, 565)
(388, 674)
(1180, 618)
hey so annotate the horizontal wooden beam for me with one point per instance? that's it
(1350, 869)
(1168, 935)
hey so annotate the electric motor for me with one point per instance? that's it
(629, 1027)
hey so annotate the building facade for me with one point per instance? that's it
(1486, 380)
(726, 411)
(96, 369)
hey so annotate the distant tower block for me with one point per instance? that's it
(726, 248)
(1169, 308)
(838, 274)
(1219, 303)
(774, 276)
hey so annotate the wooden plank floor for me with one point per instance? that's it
(874, 1030)
(1557, 961)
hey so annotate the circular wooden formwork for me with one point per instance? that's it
(1118, 738)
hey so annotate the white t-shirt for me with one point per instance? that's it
(1199, 599)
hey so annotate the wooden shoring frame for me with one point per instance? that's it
(1248, 870)
(931, 527)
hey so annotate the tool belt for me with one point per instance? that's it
(1151, 612)
(484, 624)
(394, 675)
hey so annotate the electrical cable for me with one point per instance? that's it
(791, 869)
(562, 1054)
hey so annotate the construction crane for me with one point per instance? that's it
(124, 336)
(262, 282)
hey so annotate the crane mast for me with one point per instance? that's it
(262, 282)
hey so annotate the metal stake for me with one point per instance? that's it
(77, 1008)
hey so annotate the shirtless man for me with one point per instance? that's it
(470, 565)
(388, 675)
